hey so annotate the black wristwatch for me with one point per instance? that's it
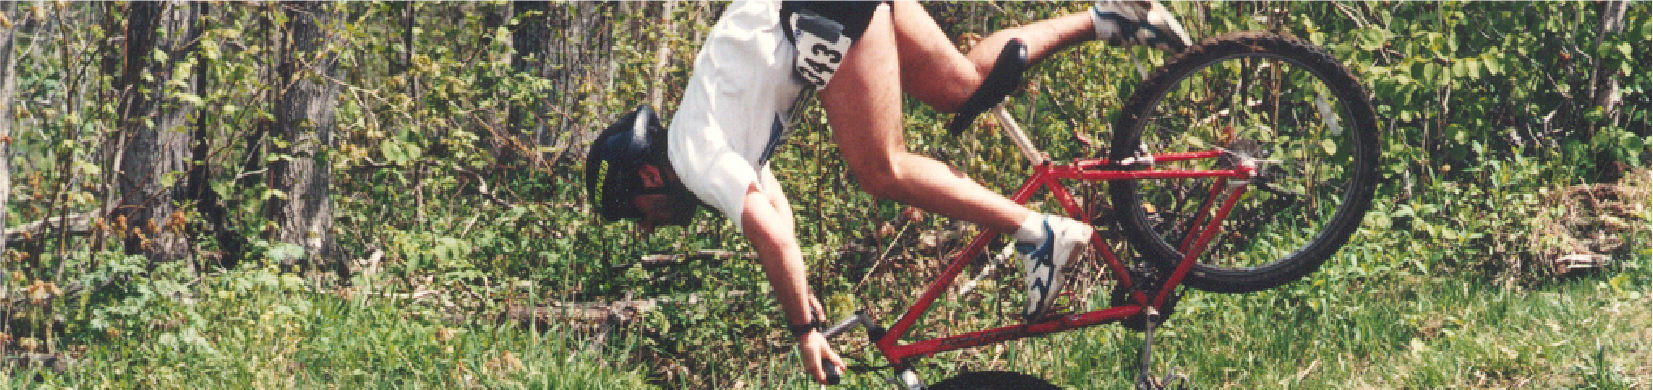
(801, 330)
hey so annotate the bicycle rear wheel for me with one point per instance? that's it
(1279, 100)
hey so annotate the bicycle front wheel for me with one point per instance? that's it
(1278, 101)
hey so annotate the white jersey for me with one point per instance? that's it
(736, 106)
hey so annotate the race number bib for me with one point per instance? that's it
(821, 46)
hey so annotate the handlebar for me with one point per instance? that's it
(874, 332)
(844, 325)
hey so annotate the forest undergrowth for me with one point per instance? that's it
(1508, 245)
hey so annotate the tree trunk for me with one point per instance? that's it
(154, 123)
(252, 163)
(528, 39)
(409, 23)
(8, 88)
(1604, 86)
(199, 192)
(662, 56)
(569, 45)
(581, 40)
(303, 135)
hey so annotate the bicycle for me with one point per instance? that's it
(1255, 149)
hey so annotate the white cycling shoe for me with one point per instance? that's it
(1130, 23)
(1047, 263)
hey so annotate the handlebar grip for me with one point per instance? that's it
(831, 372)
(859, 319)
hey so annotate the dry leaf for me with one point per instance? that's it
(913, 214)
(885, 231)
(506, 362)
(40, 291)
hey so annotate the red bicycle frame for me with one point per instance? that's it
(1047, 175)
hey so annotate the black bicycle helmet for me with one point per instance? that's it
(611, 178)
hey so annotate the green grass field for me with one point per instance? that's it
(1385, 331)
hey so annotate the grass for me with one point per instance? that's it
(1394, 309)
(260, 329)
(1393, 331)
(1406, 332)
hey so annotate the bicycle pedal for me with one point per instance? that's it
(1172, 380)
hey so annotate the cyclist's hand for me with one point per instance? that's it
(814, 349)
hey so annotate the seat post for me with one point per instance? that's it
(1016, 134)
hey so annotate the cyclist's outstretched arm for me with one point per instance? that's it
(766, 221)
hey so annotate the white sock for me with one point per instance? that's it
(1032, 231)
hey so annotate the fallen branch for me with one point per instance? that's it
(1580, 262)
(56, 362)
(655, 261)
(586, 313)
(78, 224)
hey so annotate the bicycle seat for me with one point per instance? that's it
(1005, 77)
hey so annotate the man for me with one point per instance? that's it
(859, 57)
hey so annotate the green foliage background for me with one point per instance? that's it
(1486, 118)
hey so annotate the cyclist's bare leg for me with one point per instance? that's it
(933, 70)
(863, 105)
(1042, 38)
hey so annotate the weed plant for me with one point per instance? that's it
(258, 327)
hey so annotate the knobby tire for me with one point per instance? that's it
(1293, 102)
